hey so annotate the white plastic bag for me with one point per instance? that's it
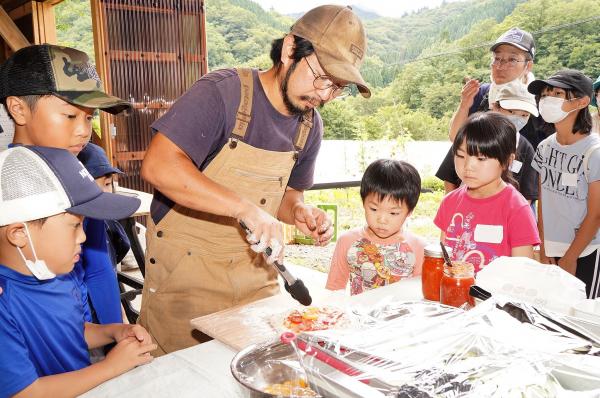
(543, 285)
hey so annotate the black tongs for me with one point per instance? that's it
(295, 287)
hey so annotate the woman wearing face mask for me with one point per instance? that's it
(514, 102)
(511, 61)
(569, 166)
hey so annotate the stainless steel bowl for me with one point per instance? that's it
(260, 365)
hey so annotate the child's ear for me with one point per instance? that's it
(583, 102)
(16, 235)
(18, 109)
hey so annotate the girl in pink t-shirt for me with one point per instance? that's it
(381, 252)
(486, 217)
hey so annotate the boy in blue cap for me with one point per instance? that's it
(95, 161)
(44, 195)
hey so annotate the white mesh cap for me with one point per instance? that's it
(29, 190)
(38, 182)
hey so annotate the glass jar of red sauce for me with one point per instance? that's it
(431, 275)
(455, 284)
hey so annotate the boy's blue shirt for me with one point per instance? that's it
(41, 329)
(96, 276)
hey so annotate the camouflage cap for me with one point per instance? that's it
(62, 71)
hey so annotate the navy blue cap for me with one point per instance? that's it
(85, 196)
(94, 159)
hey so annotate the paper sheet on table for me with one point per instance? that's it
(543, 285)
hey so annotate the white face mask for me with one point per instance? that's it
(495, 88)
(518, 121)
(38, 268)
(551, 109)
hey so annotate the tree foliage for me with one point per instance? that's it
(415, 64)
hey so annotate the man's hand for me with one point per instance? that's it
(468, 93)
(313, 222)
(266, 231)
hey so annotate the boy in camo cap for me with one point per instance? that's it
(51, 92)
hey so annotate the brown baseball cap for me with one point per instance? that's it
(339, 40)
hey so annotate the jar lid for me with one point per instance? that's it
(459, 269)
(434, 250)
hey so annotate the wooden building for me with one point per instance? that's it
(147, 51)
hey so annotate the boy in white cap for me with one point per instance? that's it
(44, 195)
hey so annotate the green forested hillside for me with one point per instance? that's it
(394, 41)
(426, 92)
(415, 63)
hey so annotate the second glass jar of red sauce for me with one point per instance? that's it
(455, 284)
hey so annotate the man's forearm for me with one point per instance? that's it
(458, 119)
(291, 199)
(174, 174)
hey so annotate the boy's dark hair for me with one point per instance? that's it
(492, 135)
(583, 122)
(30, 100)
(302, 48)
(392, 178)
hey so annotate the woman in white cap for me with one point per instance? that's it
(517, 104)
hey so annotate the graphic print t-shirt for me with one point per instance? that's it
(565, 190)
(368, 263)
(480, 230)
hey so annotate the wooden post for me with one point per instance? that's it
(11, 33)
(100, 48)
(44, 23)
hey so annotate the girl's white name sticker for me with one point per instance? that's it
(488, 233)
(515, 166)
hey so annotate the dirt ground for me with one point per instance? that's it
(315, 257)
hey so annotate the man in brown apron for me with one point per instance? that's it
(240, 145)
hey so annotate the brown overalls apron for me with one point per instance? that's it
(199, 263)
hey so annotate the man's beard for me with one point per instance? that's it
(291, 107)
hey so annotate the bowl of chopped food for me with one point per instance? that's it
(271, 370)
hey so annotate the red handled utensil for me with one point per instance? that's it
(290, 338)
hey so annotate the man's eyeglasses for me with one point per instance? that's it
(323, 82)
(510, 62)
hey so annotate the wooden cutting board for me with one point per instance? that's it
(241, 326)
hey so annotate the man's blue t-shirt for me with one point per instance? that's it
(41, 329)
